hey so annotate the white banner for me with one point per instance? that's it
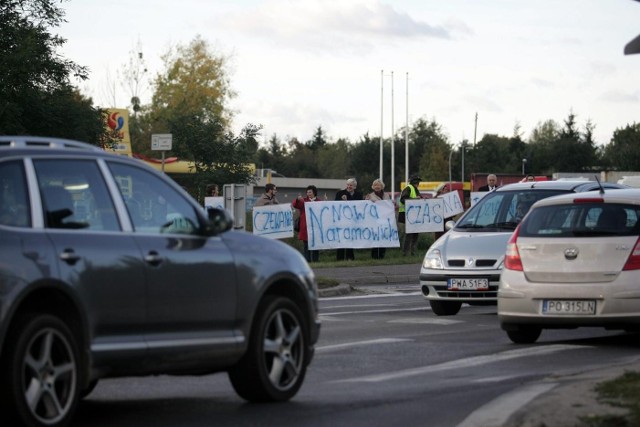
(476, 196)
(352, 224)
(427, 215)
(273, 221)
(214, 202)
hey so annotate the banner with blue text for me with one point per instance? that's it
(351, 224)
(273, 221)
(427, 215)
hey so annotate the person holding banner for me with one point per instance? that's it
(212, 190)
(376, 195)
(348, 193)
(409, 192)
(269, 196)
(298, 203)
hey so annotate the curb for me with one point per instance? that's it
(335, 291)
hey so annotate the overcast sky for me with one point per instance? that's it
(300, 64)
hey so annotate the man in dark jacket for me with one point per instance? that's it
(492, 183)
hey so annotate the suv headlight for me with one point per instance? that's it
(433, 260)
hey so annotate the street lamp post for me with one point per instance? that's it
(524, 162)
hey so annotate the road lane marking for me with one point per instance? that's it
(361, 343)
(427, 321)
(465, 363)
(498, 411)
(385, 295)
(389, 310)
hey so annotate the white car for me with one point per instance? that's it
(573, 261)
(465, 264)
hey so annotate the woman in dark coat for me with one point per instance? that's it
(298, 203)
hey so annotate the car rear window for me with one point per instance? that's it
(502, 210)
(582, 220)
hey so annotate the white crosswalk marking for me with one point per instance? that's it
(466, 363)
(361, 343)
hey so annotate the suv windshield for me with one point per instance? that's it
(501, 210)
(582, 220)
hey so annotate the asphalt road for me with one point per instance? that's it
(384, 359)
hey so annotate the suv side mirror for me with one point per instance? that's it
(220, 220)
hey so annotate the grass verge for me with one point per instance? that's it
(622, 392)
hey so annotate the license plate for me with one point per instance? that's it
(468, 284)
(575, 307)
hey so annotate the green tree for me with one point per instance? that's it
(318, 140)
(36, 96)
(428, 150)
(624, 149)
(190, 101)
(539, 152)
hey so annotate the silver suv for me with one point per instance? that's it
(464, 265)
(108, 268)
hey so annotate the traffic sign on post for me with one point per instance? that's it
(161, 141)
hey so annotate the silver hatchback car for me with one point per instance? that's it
(465, 264)
(573, 261)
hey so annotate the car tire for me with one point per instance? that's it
(445, 308)
(41, 372)
(524, 334)
(274, 366)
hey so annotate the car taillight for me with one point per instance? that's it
(512, 259)
(633, 263)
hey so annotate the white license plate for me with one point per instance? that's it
(579, 307)
(472, 284)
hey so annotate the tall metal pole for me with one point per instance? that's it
(462, 149)
(393, 154)
(475, 130)
(450, 154)
(381, 122)
(406, 136)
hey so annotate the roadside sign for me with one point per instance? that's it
(161, 141)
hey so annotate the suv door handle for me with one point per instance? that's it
(153, 258)
(69, 256)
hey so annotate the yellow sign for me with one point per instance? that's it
(118, 122)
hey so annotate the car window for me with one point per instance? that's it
(153, 205)
(502, 209)
(14, 202)
(577, 220)
(74, 195)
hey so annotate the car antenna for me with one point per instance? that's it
(599, 184)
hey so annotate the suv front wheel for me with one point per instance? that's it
(41, 372)
(275, 364)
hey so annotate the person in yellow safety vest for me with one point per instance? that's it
(409, 192)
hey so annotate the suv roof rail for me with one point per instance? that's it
(43, 142)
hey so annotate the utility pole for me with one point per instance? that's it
(475, 129)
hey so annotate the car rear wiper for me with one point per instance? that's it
(587, 233)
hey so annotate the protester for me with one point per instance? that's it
(492, 183)
(348, 193)
(212, 190)
(409, 192)
(376, 195)
(269, 196)
(298, 203)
